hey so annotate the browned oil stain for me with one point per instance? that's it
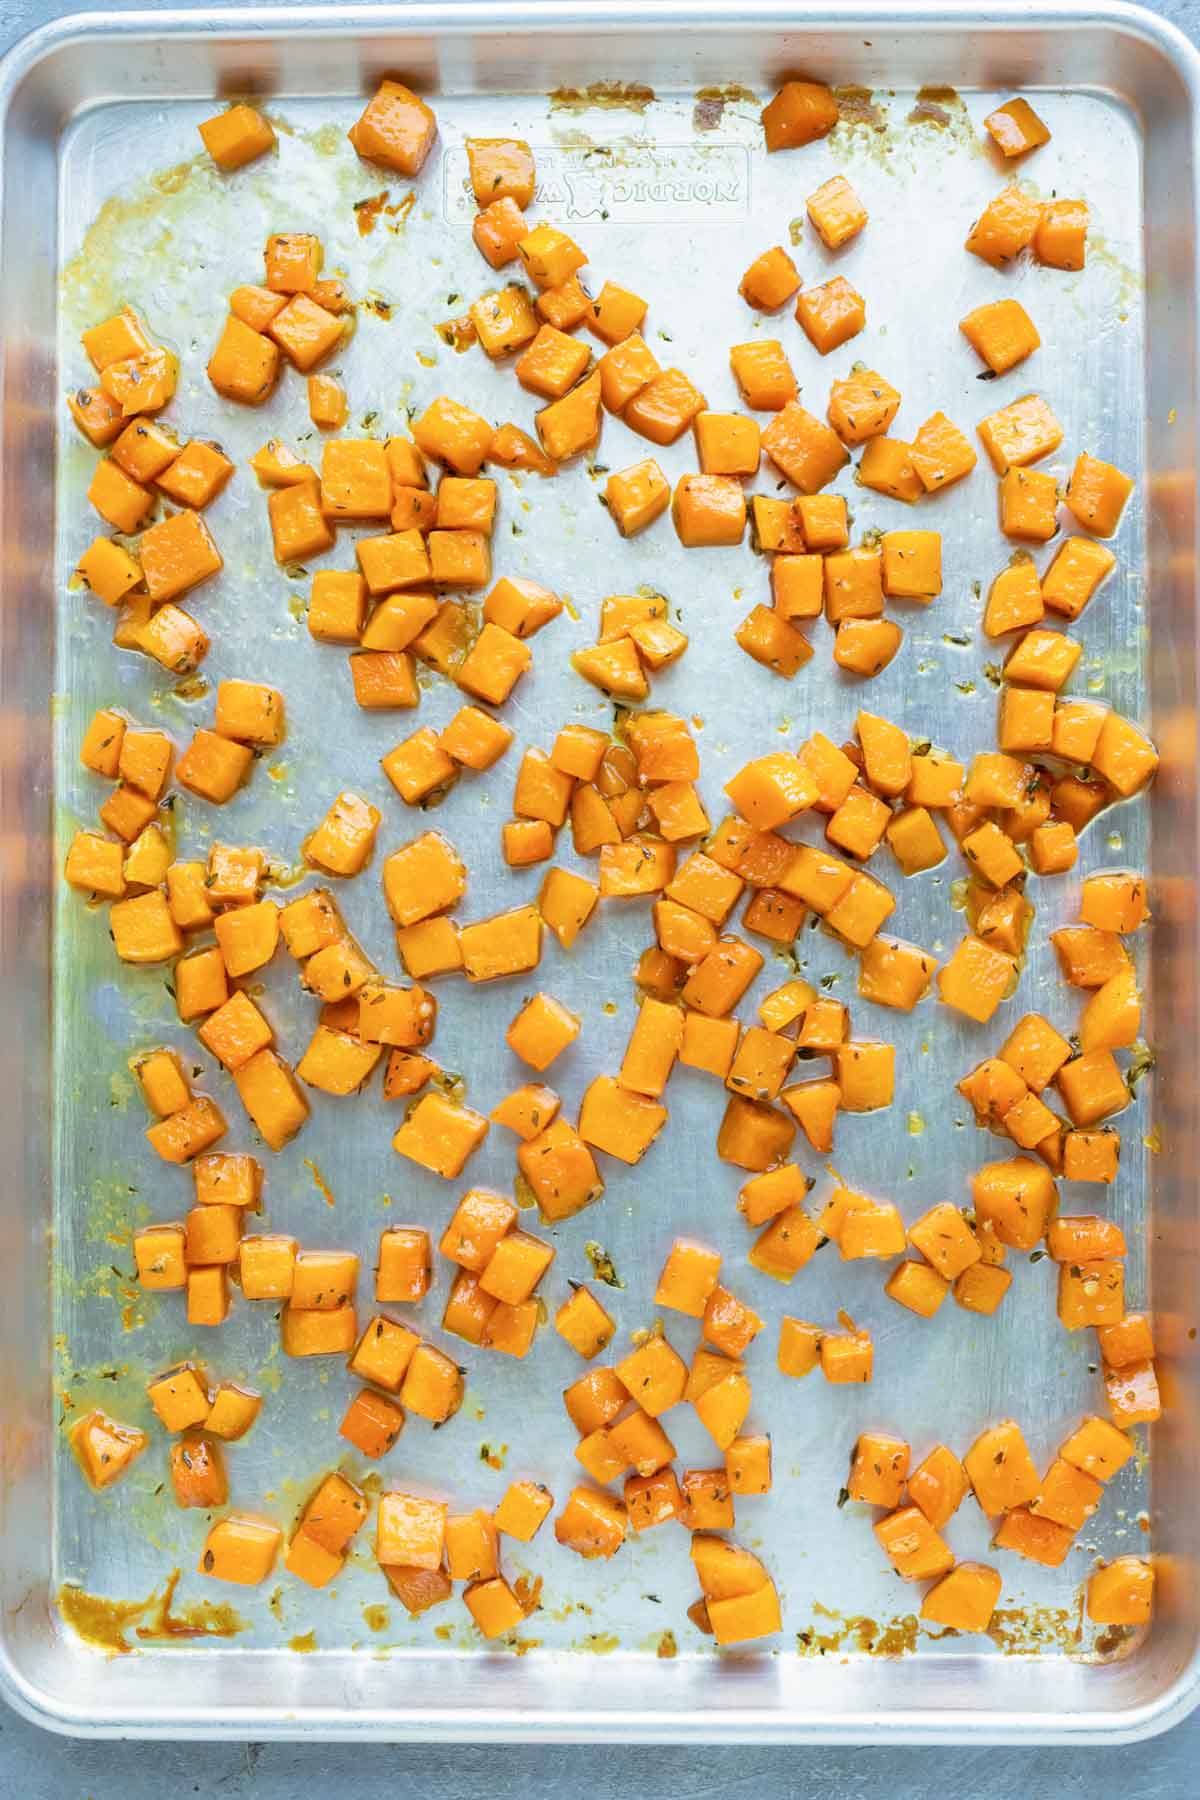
(528, 1592)
(1115, 1644)
(376, 1618)
(710, 104)
(614, 96)
(1031, 1630)
(98, 1621)
(598, 1643)
(319, 1182)
(858, 106)
(667, 1647)
(174, 180)
(935, 106)
(103, 1623)
(859, 1634)
(366, 212)
(203, 1618)
(305, 1644)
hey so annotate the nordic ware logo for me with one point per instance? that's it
(598, 182)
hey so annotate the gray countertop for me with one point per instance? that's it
(37, 1766)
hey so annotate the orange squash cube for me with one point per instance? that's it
(836, 212)
(1060, 241)
(964, 1599)
(624, 371)
(878, 1469)
(912, 1546)
(1001, 333)
(803, 448)
(800, 113)
(831, 314)
(501, 169)
(763, 374)
(663, 409)
(709, 510)
(1028, 505)
(1017, 1198)
(1020, 433)
(1000, 1469)
(1096, 494)
(866, 646)
(396, 129)
(770, 280)
(1005, 227)
(940, 453)
(976, 979)
(585, 1324)
(241, 1549)
(592, 1523)
(1121, 1592)
(938, 1485)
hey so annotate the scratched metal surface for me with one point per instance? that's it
(177, 252)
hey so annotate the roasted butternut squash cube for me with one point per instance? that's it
(560, 1169)
(97, 415)
(214, 767)
(550, 256)
(803, 448)
(1121, 1592)
(498, 230)
(1001, 333)
(774, 642)
(709, 510)
(240, 1549)
(800, 113)
(1005, 227)
(198, 1473)
(964, 1599)
(440, 1135)
(522, 1510)
(119, 499)
(770, 280)
(912, 564)
(624, 371)
(976, 979)
(267, 1089)
(501, 169)
(1060, 241)
(831, 314)
(1028, 505)
(95, 865)
(1017, 1199)
(836, 212)
(663, 409)
(940, 453)
(1020, 433)
(396, 129)
(1098, 1448)
(1096, 494)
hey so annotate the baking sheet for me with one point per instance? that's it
(675, 202)
(1138, 77)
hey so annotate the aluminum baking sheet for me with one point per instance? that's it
(669, 191)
